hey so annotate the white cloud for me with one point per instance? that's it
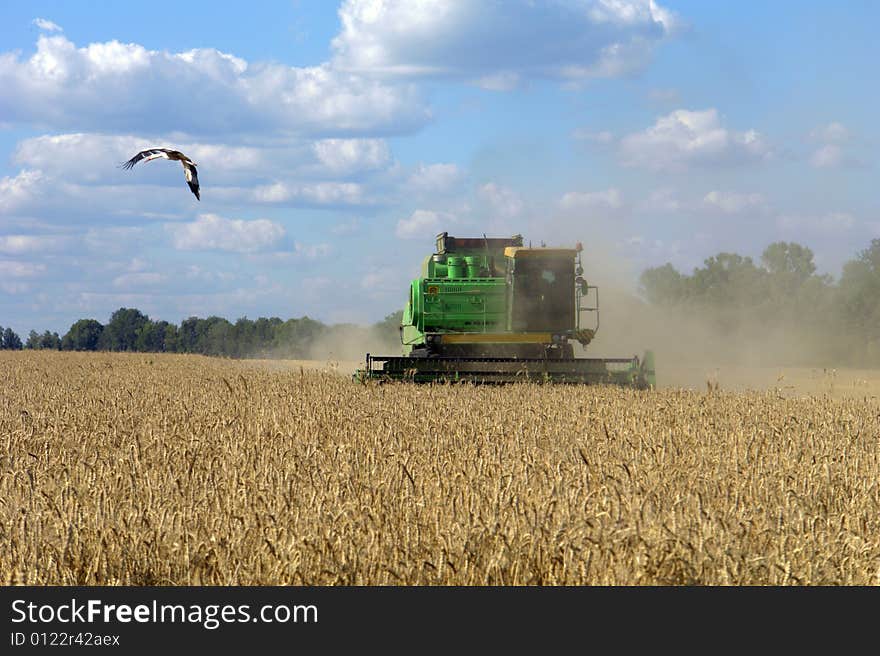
(202, 275)
(137, 264)
(15, 269)
(53, 199)
(47, 25)
(834, 221)
(278, 192)
(729, 202)
(833, 133)
(503, 201)
(651, 250)
(72, 153)
(212, 232)
(20, 190)
(346, 227)
(112, 239)
(344, 156)
(683, 139)
(829, 156)
(89, 157)
(20, 244)
(497, 44)
(124, 87)
(504, 81)
(15, 287)
(434, 178)
(835, 147)
(76, 177)
(423, 224)
(316, 288)
(379, 283)
(592, 201)
(139, 279)
(319, 193)
(662, 200)
(95, 158)
(311, 251)
(831, 222)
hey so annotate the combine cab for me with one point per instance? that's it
(493, 311)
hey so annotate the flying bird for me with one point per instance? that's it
(189, 166)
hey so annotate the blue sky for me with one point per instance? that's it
(334, 142)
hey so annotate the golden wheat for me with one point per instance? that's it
(147, 469)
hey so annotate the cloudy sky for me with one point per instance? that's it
(334, 142)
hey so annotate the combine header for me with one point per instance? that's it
(490, 310)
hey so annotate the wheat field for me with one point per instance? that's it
(172, 470)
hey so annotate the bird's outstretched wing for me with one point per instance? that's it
(192, 177)
(189, 167)
(146, 156)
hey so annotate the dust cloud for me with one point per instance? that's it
(693, 347)
(339, 348)
(350, 343)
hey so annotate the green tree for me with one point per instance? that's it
(794, 291)
(728, 280)
(294, 337)
(265, 331)
(171, 337)
(217, 338)
(83, 335)
(151, 337)
(244, 337)
(858, 299)
(10, 340)
(188, 335)
(33, 340)
(662, 285)
(121, 332)
(50, 340)
(789, 259)
(871, 256)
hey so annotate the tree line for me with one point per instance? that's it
(130, 329)
(742, 299)
(838, 321)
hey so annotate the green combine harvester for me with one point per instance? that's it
(489, 310)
